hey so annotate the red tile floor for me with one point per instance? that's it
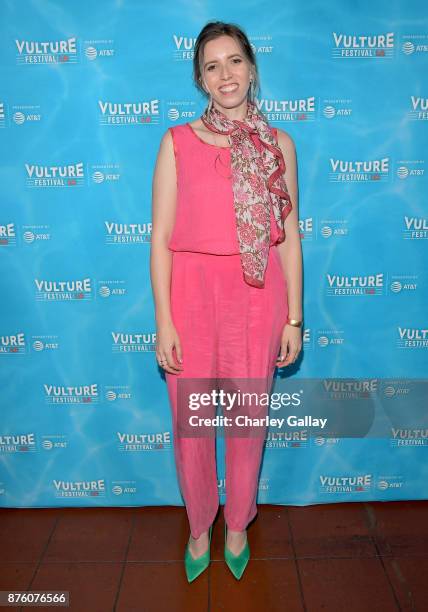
(353, 557)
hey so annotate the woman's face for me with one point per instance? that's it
(226, 72)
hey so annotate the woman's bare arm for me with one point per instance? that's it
(164, 197)
(290, 249)
(164, 194)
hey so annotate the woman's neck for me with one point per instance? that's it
(239, 113)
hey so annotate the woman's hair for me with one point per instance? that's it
(213, 30)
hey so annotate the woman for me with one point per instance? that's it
(227, 285)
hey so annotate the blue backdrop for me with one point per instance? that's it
(87, 91)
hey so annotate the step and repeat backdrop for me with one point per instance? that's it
(87, 91)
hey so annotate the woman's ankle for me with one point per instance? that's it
(201, 537)
(235, 532)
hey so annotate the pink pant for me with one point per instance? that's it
(226, 329)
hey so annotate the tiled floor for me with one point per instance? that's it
(355, 557)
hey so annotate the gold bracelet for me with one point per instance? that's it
(294, 322)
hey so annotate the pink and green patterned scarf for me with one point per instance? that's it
(258, 182)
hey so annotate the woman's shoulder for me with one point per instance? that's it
(198, 125)
(284, 138)
(199, 128)
(172, 134)
(177, 127)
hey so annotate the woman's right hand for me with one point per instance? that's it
(166, 341)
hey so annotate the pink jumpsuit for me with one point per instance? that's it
(226, 327)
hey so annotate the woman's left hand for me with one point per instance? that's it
(291, 345)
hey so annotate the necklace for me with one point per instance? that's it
(228, 138)
(218, 159)
(225, 171)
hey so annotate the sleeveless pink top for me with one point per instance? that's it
(205, 219)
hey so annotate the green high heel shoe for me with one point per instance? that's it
(236, 563)
(195, 567)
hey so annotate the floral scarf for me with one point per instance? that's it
(258, 183)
